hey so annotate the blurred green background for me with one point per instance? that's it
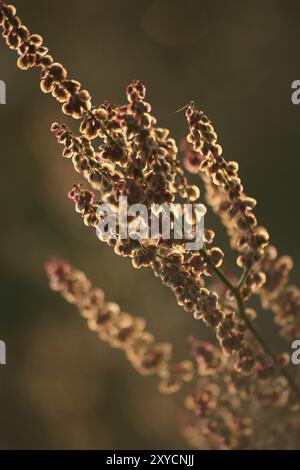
(61, 387)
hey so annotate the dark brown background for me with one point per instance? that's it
(61, 387)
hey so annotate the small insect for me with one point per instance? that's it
(191, 103)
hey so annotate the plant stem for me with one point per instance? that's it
(235, 290)
(242, 279)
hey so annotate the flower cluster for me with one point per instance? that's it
(139, 160)
(265, 273)
(100, 173)
(223, 406)
(121, 151)
(185, 280)
(225, 193)
(121, 330)
(279, 295)
(32, 53)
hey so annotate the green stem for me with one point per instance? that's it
(242, 279)
(251, 327)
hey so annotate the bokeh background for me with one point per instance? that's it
(61, 387)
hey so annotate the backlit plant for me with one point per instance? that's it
(122, 151)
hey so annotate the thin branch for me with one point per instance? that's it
(251, 327)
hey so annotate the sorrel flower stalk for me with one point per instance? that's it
(264, 273)
(225, 410)
(121, 151)
(230, 411)
(120, 329)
